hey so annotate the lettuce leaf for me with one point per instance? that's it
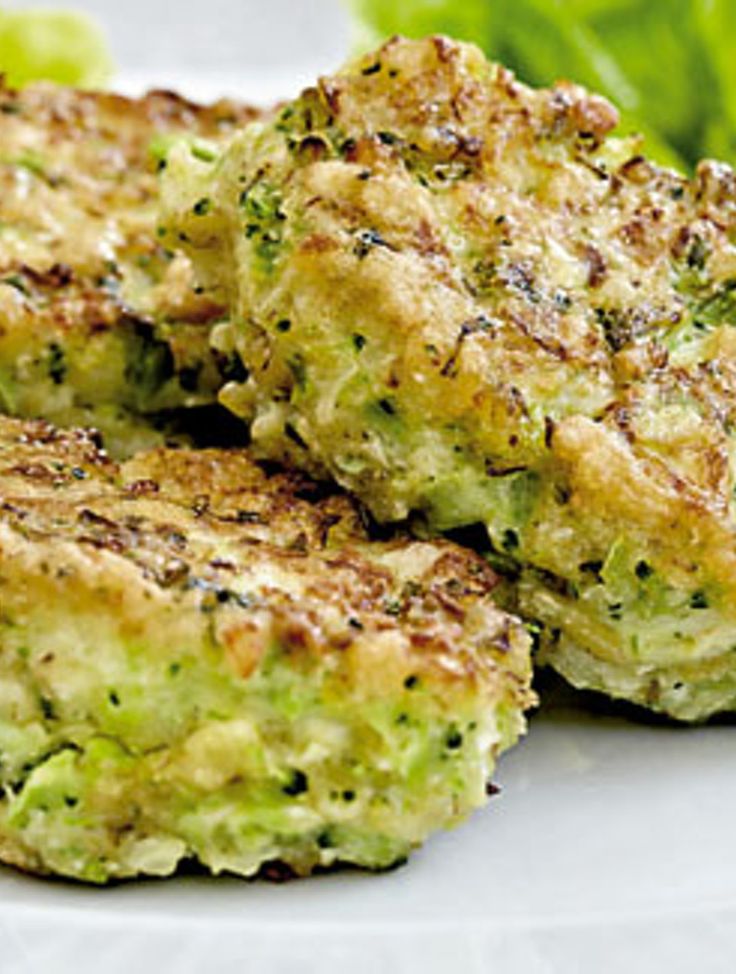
(53, 45)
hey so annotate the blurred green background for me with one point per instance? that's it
(53, 45)
(668, 65)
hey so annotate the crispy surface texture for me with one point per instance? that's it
(202, 660)
(463, 298)
(99, 323)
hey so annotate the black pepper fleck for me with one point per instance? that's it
(297, 785)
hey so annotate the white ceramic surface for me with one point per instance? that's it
(611, 847)
(256, 48)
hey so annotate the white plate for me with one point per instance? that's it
(610, 848)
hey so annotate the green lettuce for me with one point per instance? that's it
(668, 65)
(53, 45)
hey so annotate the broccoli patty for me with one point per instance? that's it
(465, 301)
(99, 322)
(203, 660)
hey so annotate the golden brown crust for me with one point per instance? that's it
(463, 297)
(90, 161)
(268, 554)
(87, 291)
(510, 240)
(202, 659)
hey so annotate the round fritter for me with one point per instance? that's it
(99, 322)
(203, 660)
(460, 297)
